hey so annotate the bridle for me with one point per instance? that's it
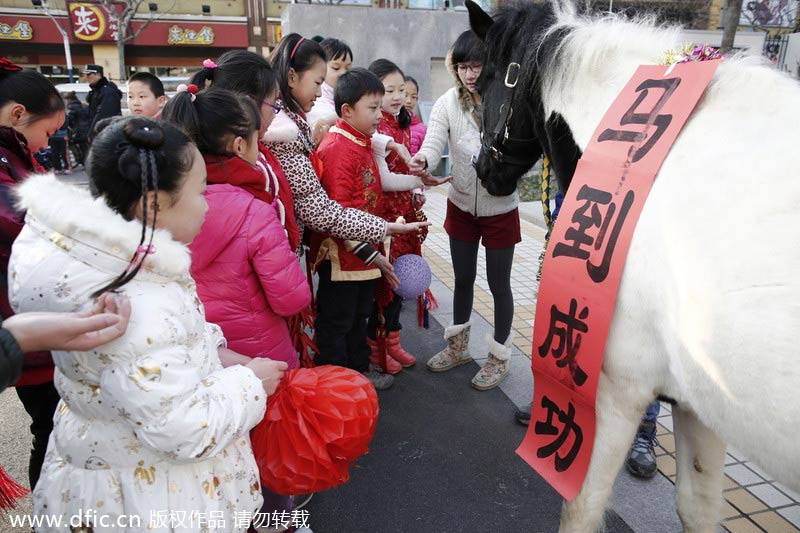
(501, 146)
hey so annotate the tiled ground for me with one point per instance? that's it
(753, 502)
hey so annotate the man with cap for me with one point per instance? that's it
(105, 97)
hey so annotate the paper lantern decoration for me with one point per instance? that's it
(414, 275)
(318, 422)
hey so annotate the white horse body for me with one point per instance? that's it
(708, 310)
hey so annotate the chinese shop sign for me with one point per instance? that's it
(21, 31)
(583, 265)
(203, 37)
(91, 22)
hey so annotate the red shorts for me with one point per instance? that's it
(498, 231)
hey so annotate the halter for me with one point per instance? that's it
(500, 145)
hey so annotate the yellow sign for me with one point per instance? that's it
(88, 22)
(178, 35)
(21, 31)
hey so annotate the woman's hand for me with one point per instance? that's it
(418, 164)
(268, 371)
(401, 151)
(387, 270)
(229, 357)
(108, 320)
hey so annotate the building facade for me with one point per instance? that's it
(168, 43)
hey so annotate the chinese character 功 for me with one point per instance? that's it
(587, 216)
(569, 425)
(567, 327)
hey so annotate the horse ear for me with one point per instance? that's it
(479, 20)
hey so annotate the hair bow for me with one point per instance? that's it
(209, 64)
(8, 66)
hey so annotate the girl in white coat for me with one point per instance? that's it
(152, 429)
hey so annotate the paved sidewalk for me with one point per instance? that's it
(753, 502)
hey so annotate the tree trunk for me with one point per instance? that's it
(730, 24)
(121, 55)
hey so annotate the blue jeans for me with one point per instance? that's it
(652, 411)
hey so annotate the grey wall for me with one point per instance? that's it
(411, 38)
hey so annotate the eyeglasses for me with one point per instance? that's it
(276, 107)
(473, 67)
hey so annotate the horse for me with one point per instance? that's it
(708, 309)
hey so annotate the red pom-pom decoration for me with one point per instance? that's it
(192, 88)
(318, 422)
(8, 66)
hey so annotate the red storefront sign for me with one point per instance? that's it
(93, 22)
(202, 32)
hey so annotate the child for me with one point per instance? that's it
(247, 276)
(31, 110)
(146, 96)
(350, 176)
(339, 60)
(300, 65)
(151, 421)
(418, 128)
(395, 122)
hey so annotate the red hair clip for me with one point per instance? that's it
(191, 89)
(8, 66)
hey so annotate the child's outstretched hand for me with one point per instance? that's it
(432, 181)
(401, 151)
(387, 270)
(268, 371)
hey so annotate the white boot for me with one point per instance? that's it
(497, 365)
(457, 351)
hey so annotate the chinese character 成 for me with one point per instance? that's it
(567, 328)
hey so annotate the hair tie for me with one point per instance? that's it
(294, 50)
(8, 66)
(209, 64)
(191, 89)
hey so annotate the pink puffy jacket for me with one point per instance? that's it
(247, 275)
(418, 131)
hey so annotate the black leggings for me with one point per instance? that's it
(498, 273)
(40, 401)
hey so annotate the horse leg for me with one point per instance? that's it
(701, 463)
(619, 409)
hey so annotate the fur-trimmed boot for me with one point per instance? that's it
(497, 365)
(457, 351)
(392, 366)
(396, 351)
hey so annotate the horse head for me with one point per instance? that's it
(515, 130)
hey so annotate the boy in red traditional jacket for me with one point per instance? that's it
(346, 273)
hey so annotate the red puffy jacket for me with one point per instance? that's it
(16, 163)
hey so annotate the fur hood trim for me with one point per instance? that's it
(282, 129)
(73, 212)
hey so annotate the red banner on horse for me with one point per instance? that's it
(584, 261)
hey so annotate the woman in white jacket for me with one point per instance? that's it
(473, 215)
(151, 429)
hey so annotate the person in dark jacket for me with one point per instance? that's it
(105, 97)
(31, 110)
(78, 123)
(29, 332)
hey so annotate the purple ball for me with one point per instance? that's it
(414, 274)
